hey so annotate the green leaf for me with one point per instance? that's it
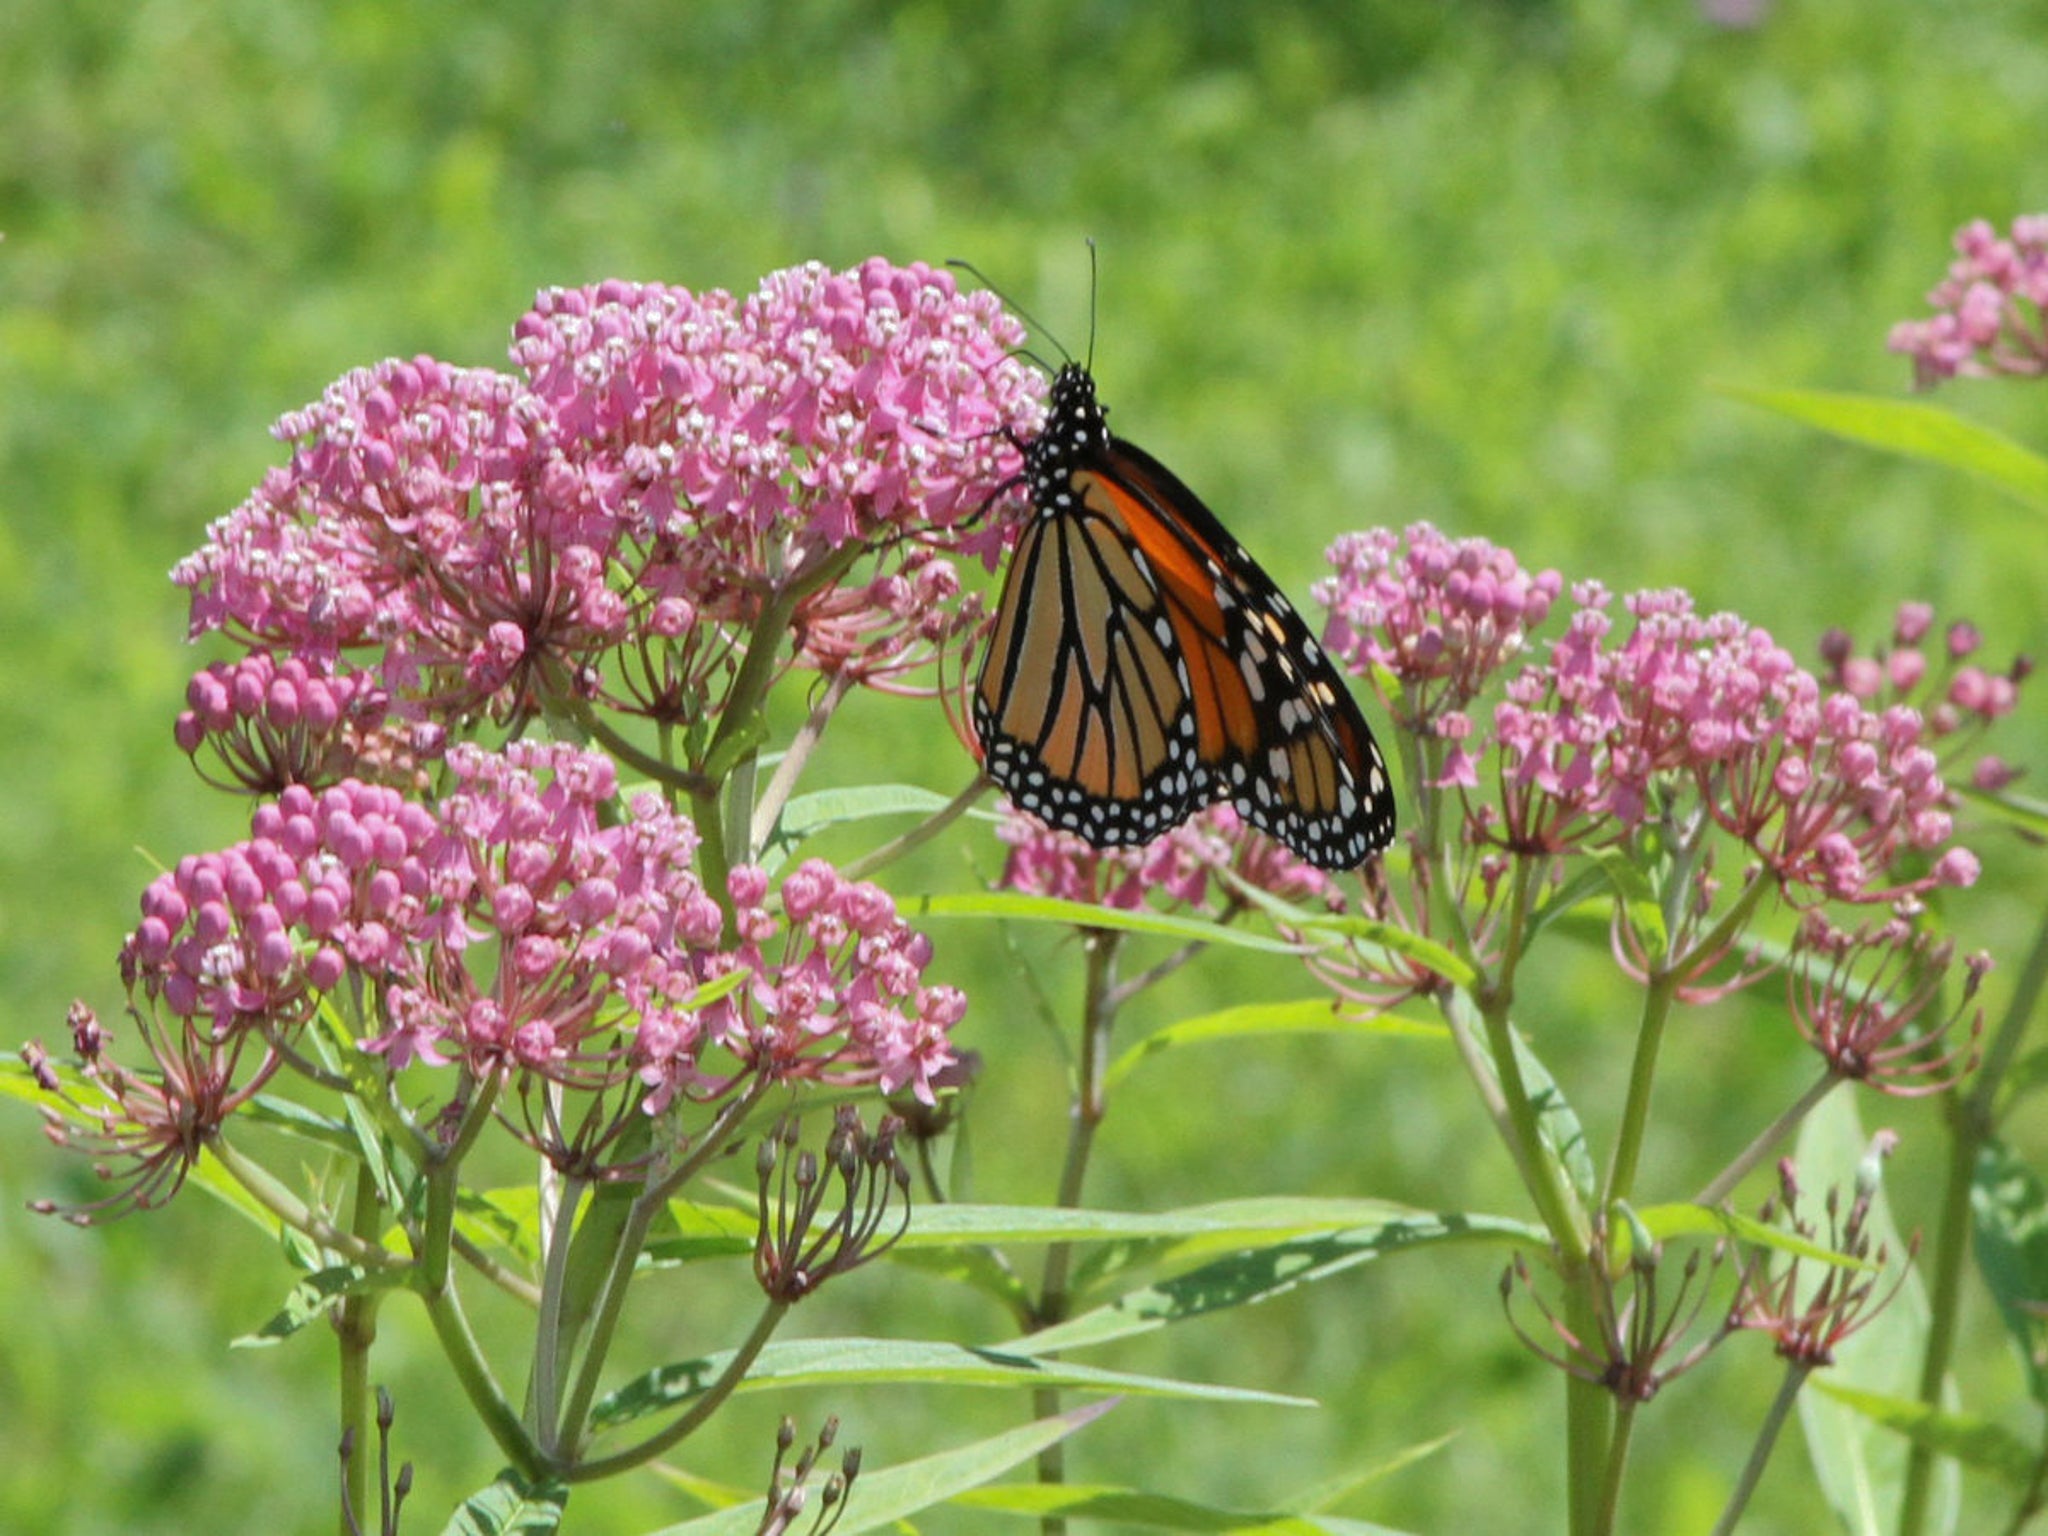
(1322, 1495)
(2022, 813)
(313, 1298)
(810, 813)
(1963, 1437)
(282, 1115)
(1861, 1467)
(1310, 1016)
(1015, 907)
(803, 1362)
(1155, 1511)
(2010, 1207)
(1685, 1220)
(511, 1506)
(1914, 430)
(880, 1498)
(1247, 1278)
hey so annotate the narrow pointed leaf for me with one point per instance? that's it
(1244, 1279)
(804, 1362)
(1321, 1495)
(1914, 430)
(312, 1299)
(1309, 1016)
(1013, 907)
(885, 1496)
(1686, 1220)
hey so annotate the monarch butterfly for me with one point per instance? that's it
(1142, 665)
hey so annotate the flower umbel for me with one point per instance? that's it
(795, 1252)
(1808, 1322)
(1641, 1342)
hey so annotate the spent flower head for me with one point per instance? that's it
(1871, 1001)
(1808, 1321)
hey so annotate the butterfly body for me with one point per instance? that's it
(1142, 665)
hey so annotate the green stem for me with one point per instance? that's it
(1588, 1415)
(780, 783)
(1766, 1140)
(708, 1402)
(549, 1346)
(432, 1280)
(296, 1214)
(355, 1328)
(1972, 1125)
(451, 1327)
(1084, 1118)
(1658, 996)
(919, 835)
(1760, 1452)
(632, 1238)
(1617, 1463)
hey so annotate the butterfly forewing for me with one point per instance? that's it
(1143, 665)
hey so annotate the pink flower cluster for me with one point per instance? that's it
(665, 463)
(271, 724)
(1213, 851)
(835, 992)
(253, 935)
(1990, 308)
(1442, 615)
(1958, 698)
(1829, 793)
(519, 927)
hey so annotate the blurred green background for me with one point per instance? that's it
(1361, 263)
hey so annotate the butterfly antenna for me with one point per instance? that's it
(1094, 283)
(1019, 311)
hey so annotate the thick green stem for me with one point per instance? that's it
(444, 1308)
(550, 1347)
(1588, 1414)
(1972, 1124)
(451, 1327)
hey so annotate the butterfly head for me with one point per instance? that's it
(1076, 427)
